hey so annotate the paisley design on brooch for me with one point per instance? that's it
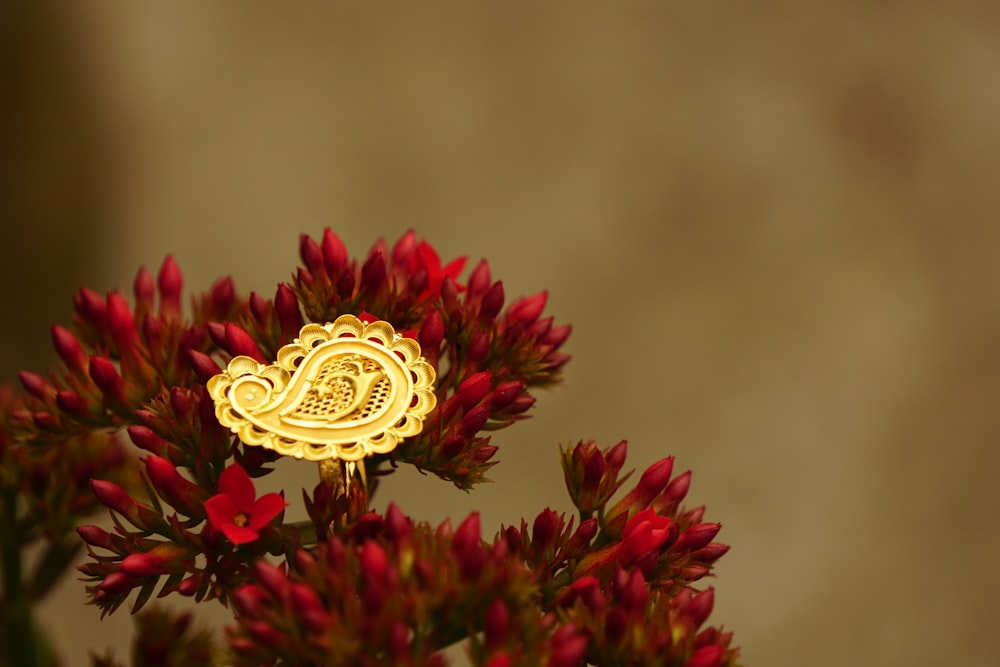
(341, 390)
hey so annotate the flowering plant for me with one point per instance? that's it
(125, 422)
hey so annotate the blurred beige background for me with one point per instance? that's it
(773, 226)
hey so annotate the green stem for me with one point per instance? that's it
(20, 649)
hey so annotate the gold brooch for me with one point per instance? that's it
(340, 391)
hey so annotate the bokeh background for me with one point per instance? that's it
(772, 224)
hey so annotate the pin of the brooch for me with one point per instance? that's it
(340, 392)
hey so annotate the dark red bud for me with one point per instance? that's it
(311, 255)
(711, 552)
(120, 321)
(36, 385)
(91, 306)
(144, 438)
(189, 586)
(260, 309)
(272, 578)
(117, 583)
(69, 350)
(544, 528)
(527, 310)
(221, 297)
(558, 335)
(404, 248)
(492, 301)
(479, 281)
(203, 365)
(96, 536)
(615, 457)
(72, 403)
(479, 345)
(495, 624)
(334, 253)
(250, 600)
(374, 561)
(162, 559)
(171, 283)
(239, 342)
(345, 285)
(373, 271)
(431, 333)
(397, 525)
(152, 331)
(184, 496)
(505, 394)
(521, 404)
(180, 402)
(697, 536)
(700, 607)
(473, 389)
(449, 290)
(286, 306)
(568, 651)
(106, 377)
(474, 420)
(144, 288)
(707, 656)
(632, 592)
(484, 453)
(678, 488)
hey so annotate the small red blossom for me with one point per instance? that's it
(236, 511)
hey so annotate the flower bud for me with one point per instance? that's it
(707, 656)
(72, 403)
(544, 529)
(404, 247)
(710, 553)
(120, 321)
(373, 271)
(700, 607)
(492, 301)
(526, 311)
(568, 647)
(260, 309)
(473, 389)
(170, 283)
(474, 420)
(495, 624)
(431, 334)
(239, 343)
(96, 536)
(91, 307)
(286, 307)
(114, 497)
(652, 482)
(106, 377)
(479, 282)
(165, 558)
(117, 583)
(272, 578)
(203, 365)
(697, 536)
(334, 253)
(311, 255)
(37, 386)
(184, 496)
(69, 350)
(144, 288)
(557, 336)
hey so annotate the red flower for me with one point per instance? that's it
(234, 509)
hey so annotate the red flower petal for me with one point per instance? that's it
(238, 534)
(265, 509)
(235, 483)
(220, 511)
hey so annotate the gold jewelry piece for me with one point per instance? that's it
(342, 390)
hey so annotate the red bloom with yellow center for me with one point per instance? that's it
(236, 510)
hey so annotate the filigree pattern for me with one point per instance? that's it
(342, 390)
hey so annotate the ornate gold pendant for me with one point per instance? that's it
(342, 390)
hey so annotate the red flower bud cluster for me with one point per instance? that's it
(612, 587)
(633, 625)
(364, 598)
